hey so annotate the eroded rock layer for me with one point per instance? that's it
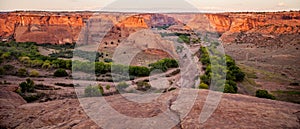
(65, 27)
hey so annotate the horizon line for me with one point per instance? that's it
(147, 11)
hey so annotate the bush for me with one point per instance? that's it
(143, 86)
(183, 39)
(138, 71)
(101, 89)
(122, 86)
(27, 86)
(36, 63)
(107, 87)
(24, 59)
(164, 64)
(231, 88)
(46, 64)
(92, 91)
(264, 94)
(34, 73)
(22, 72)
(203, 86)
(60, 73)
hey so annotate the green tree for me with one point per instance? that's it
(229, 89)
(205, 79)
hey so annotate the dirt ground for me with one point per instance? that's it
(271, 68)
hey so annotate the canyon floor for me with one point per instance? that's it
(273, 68)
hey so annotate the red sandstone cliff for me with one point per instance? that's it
(41, 27)
(54, 27)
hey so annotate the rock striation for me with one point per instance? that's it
(64, 27)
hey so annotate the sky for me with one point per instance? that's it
(151, 5)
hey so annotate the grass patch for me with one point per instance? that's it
(288, 96)
(250, 73)
(287, 92)
(264, 75)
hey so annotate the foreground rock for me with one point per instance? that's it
(233, 111)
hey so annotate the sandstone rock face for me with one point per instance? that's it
(229, 25)
(234, 111)
(54, 27)
(41, 27)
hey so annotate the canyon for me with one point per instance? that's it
(265, 45)
(65, 27)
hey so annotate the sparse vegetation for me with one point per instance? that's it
(27, 91)
(92, 56)
(122, 86)
(101, 89)
(22, 72)
(164, 64)
(143, 86)
(288, 92)
(139, 71)
(184, 39)
(28, 54)
(93, 91)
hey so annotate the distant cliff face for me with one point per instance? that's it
(41, 27)
(59, 28)
(229, 25)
